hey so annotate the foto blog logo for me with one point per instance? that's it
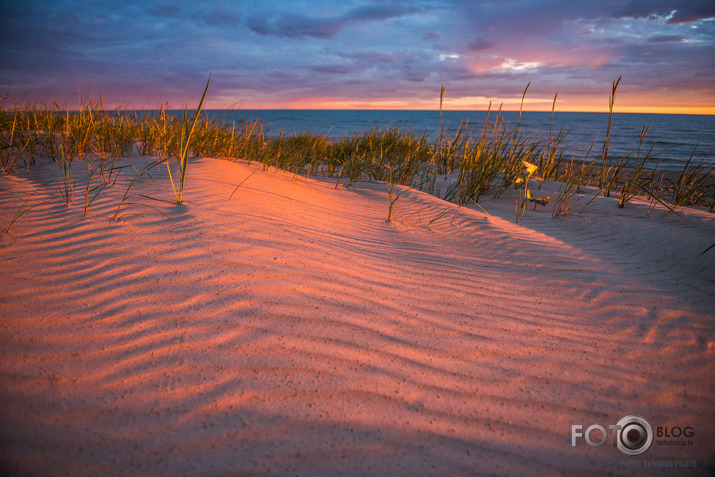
(633, 435)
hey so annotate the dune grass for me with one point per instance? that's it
(461, 167)
(607, 141)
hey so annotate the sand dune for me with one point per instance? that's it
(291, 330)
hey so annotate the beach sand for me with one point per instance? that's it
(291, 330)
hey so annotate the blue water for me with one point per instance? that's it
(673, 137)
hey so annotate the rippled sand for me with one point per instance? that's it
(291, 330)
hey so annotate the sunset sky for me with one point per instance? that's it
(354, 54)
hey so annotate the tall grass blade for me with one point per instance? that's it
(185, 145)
(607, 141)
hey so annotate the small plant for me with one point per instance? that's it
(607, 141)
(20, 211)
(530, 170)
(392, 197)
(694, 185)
(89, 189)
(139, 174)
(440, 141)
(8, 159)
(67, 182)
(241, 183)
(573, 179)
(629, 190)
(185, 143)
(550, 162)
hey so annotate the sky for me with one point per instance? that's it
(362, 54)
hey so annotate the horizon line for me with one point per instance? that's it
(707, 111)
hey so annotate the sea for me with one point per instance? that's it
(672, 139)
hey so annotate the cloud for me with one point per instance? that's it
(676, 11)
(667, 38)
(378, 12)
(295, 26)
(481, 43)
(511, 64)
(334, 69)
(392, 52)
(691, 13)
(299, 25)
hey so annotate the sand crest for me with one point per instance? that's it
(291, 330)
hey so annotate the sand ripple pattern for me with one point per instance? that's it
(290, 330)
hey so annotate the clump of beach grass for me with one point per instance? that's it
(471, 162)
(573, 179)
(695, 184)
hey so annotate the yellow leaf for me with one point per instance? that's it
(530, 168)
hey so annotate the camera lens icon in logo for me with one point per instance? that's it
(634, 436)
